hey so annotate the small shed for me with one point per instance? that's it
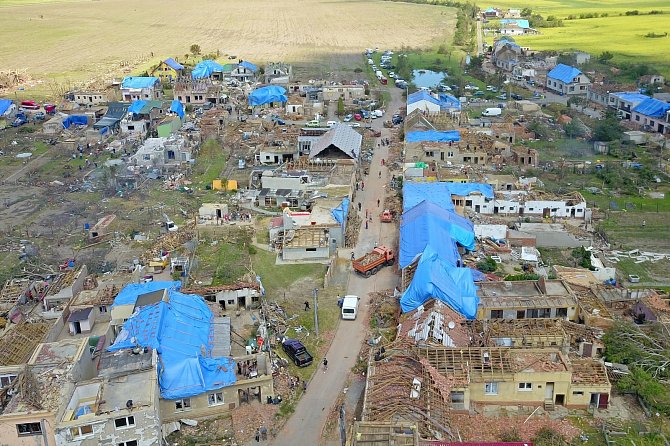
(81, 320)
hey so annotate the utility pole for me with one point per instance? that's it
(316, 312)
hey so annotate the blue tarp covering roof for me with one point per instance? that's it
(205, 69)
(422, 96)
(630, 96)
(138, 82)
(178, 108)
(521, 23)
(136, 106)
(564, 73)
(435, 278)
(340, 213)
(448, 101)
(180, 330)
(420, 231)
(249, 66)
(170, 62)
(128, 295)
(653, 108)
(266, 95)
(74, 120)
(427, 222)
(433, 136)
(440, 193)
(4, 105)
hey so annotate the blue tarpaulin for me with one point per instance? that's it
(449, 102)
(630, 96)
(249, 66)
(74, 120)
(521, 23)
(422, 95)
(428, 224)
(340, 213)
(449, 216)
(436, 279)
(653, 108)
(4, 105)
(433, 136)
(178, 108)
(205, 69)
(440, 193)
(128, 295)
(137, 82)
(180, 330)
(170, 62)
(136, 106)
(564, 73)
(266, 95)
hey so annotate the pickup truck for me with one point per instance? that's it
(373, 261)
(297, 352)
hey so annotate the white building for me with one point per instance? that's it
(567, 80)
(518, 203)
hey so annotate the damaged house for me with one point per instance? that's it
(340, 142)
(164, 153)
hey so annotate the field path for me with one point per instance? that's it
(306, 424)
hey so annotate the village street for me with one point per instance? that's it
(306, 424)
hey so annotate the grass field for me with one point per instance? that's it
(77, 40)
(621, 35)
(563, 8)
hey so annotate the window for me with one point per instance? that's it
(214, 399)
(525, 387)
(578, 393)
(128, 443)
(561, 312)
(103, 308)
(182, 405)
(81, 431)
(231, 301)
(6, 380)
(538, 313)
(496, 314)
(310, 249)
(26, 429)
(430, 153)
(124, 422)
(490, 388)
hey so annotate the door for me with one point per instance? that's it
(603, 401)
(549, 392)
(77, 328)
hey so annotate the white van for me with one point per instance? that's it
(331, 124)
(493, 111)
(371, 62)
(350, 307)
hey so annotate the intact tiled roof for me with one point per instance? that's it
(564, 73)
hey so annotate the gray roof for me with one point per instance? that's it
(341, 136)
(221, 345)
(80, 315)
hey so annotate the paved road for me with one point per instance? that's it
(306, 424)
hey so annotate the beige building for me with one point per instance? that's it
(32, 395)
(527, 299)
(346, 92)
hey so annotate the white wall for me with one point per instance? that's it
(423, 105)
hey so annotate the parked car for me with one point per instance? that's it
(331, 124)
(478, 94)
(20, 119)
(297, 352)
(313, 123)
(39, 116)
(30, 105)
(517, 97)
(49, 109)
(358, 117)
(355, 125)
(348, 117)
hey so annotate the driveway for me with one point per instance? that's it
(306, 424)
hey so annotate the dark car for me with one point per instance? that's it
(297, 352)
(518, 97)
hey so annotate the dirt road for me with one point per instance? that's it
(306, 424)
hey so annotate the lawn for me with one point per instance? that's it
(212, 160)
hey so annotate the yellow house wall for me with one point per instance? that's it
(199, 403)
(9, 435)
(579, 401)
(509, 393)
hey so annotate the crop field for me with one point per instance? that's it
(622, 35)
(563, 8)
(78, 40)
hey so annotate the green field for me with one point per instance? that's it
(620, 34)
(565, 7)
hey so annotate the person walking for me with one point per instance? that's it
(325, 364)
(380, 174)
(352, 255)
(362, 185)
(359, 206)
(366, 224)
(306, 305)
(378, 202)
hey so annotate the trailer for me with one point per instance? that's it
(373, 261)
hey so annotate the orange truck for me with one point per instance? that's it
(373, 261)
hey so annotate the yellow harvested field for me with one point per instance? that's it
(78, 40)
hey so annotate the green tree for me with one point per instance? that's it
(340, 106)
(608, 128)
(195, 49)
(573, 129)
(605, 56)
